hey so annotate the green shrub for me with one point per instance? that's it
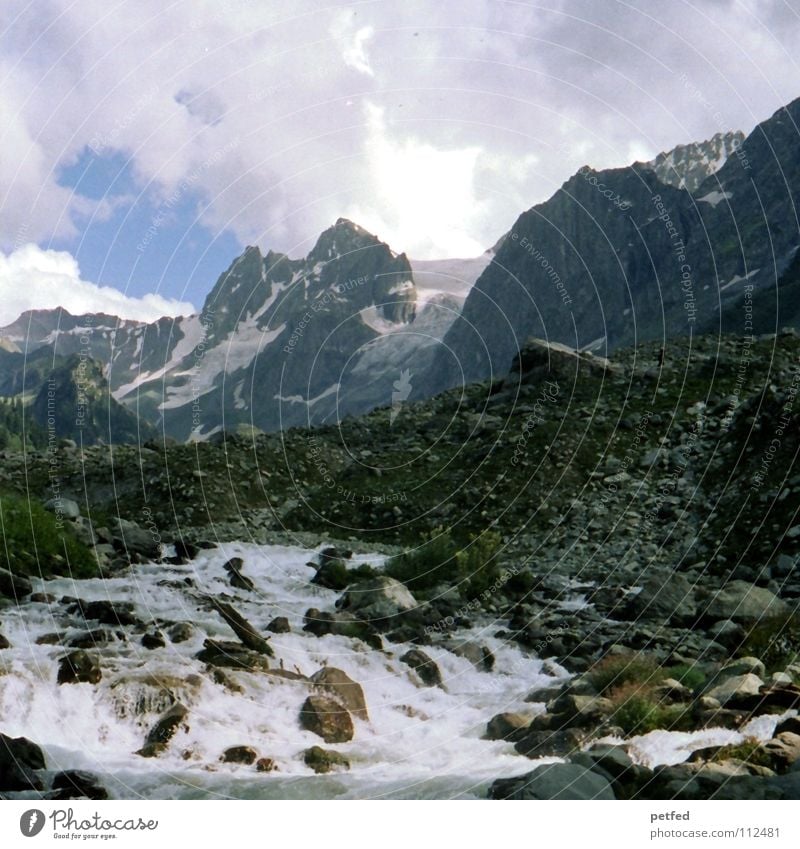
(637, 711)
(749, 750)
(440, 560)
(774, 640)
(689, 675)
(619, 669)
(33, 543)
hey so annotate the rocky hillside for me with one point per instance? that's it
(619, 256)
(598, 549)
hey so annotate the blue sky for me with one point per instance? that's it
(178, 256)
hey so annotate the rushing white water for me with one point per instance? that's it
(418, 742)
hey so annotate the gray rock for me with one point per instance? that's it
(66, 508)
(14, 586)
(741, 602)
(554, 781)
(326, 717)
(377, 598)
(507, 726)
(424, 666)
(338, 684)
(663, 598)
(239, 755)
(737, 688)
(79, 667)
(324, 760)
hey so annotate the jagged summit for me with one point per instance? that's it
(687, 165)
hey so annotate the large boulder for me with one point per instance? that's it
(507, 726)
(554, 781)
(77, 784)
(79, 667)
(338, 684)
(741, 602)
(136, 540)
(19, 759)
(736, 689)
(326, 717)
(663, 599)
(377, 599)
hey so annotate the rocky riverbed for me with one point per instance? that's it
(238, 674)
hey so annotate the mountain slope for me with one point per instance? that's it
(618, 256)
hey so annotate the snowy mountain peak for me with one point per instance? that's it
(687, 165)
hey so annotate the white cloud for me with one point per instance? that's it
(469, 94)
(352, 41)
(32, 278)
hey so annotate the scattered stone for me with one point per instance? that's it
(554, 781)
(377, 599)
(424, 666)
(279, 625)
(343, 624)
(4, 643)
(550, 744)
(79, 667)
(153, 640)
(332, 575)
(234, 569)
(743, 666)
(239, 755)
(783, 750)
(266, 765)
(164, 730)
(507, 726)
(231, 656)
(14, 586)
(91, 639)
(742, 602)
(480, 657)
(180, 632)
(327, 718)
(665, 599)
(19, 760)
(338, 684)
(324, 760)
(77, 784)
(116, 613)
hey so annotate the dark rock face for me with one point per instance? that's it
(19, 760)
(327, 718)
(76, 784)
(14, 586)
(77, 398)
(554, 781)
(598, 261)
